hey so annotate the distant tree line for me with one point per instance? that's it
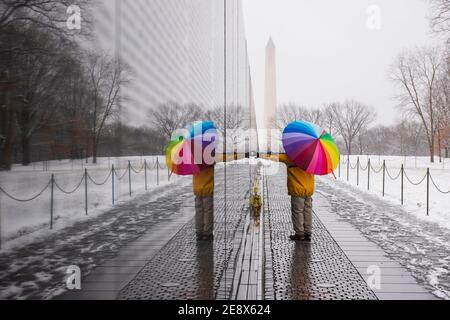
(60, 100)
(351, 124)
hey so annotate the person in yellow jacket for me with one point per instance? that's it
(203, 188)
(300, 186)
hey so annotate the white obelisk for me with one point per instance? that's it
(270, 92)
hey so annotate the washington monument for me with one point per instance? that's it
(270, 91)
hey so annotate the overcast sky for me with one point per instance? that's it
(326, 52)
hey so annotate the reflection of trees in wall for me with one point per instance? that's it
(37, 53)
(236, 122)
(107, 76)
(171, 116)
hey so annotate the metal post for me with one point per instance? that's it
(403, 174)
(112, 184)
(384, 174)
(145, 171)
(368, 174)
(157, 171)
(85, 191)
(348, 168)
(129, 177)
(357, 171)
(340, 161)
(168, 174)
(51, 201)
(428, 191)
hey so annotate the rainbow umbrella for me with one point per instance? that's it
(185, 155)
(310, 148)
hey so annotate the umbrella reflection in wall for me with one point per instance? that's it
(193, 152)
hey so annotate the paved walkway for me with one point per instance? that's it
(249, 258)
(337, 264)
(168, 263)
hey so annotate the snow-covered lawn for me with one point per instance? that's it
(24, 220)
(415, 197)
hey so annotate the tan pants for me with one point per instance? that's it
(301, 209)
(204, 215)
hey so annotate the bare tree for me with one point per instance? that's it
(75, 107)
(416, 73)
(169, 117)
(363, 142)
(38, 79)
(290, 112)
(440, 17)
(48, 15)
(315, 116)
(328, 117)
(352, 118)
(237, 120)
(107, 77)
(7, 121)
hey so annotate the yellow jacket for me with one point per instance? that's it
(299, 182)
(203, 182)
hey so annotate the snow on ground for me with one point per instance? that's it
(21, 222)
(415, 197)
(422, 246)
(37, 270)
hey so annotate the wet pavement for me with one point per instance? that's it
(318, 270)
(200, 270)
(422, 248)
(146, 249)
(37, 270)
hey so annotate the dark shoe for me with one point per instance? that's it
(297, 237)
(199, 237)
(308, 237)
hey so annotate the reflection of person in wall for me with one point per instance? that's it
(301, 188)
(203, 187)
(205, 271)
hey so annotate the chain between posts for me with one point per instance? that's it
(401, 174)
(86, 177)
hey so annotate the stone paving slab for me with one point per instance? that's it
(107, 280)
(318, 270)
(189, 269)
(168, 263)
(395, 281)
(308, 271)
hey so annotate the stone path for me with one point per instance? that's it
(338, 263)
(155, 255)
(37, 270)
